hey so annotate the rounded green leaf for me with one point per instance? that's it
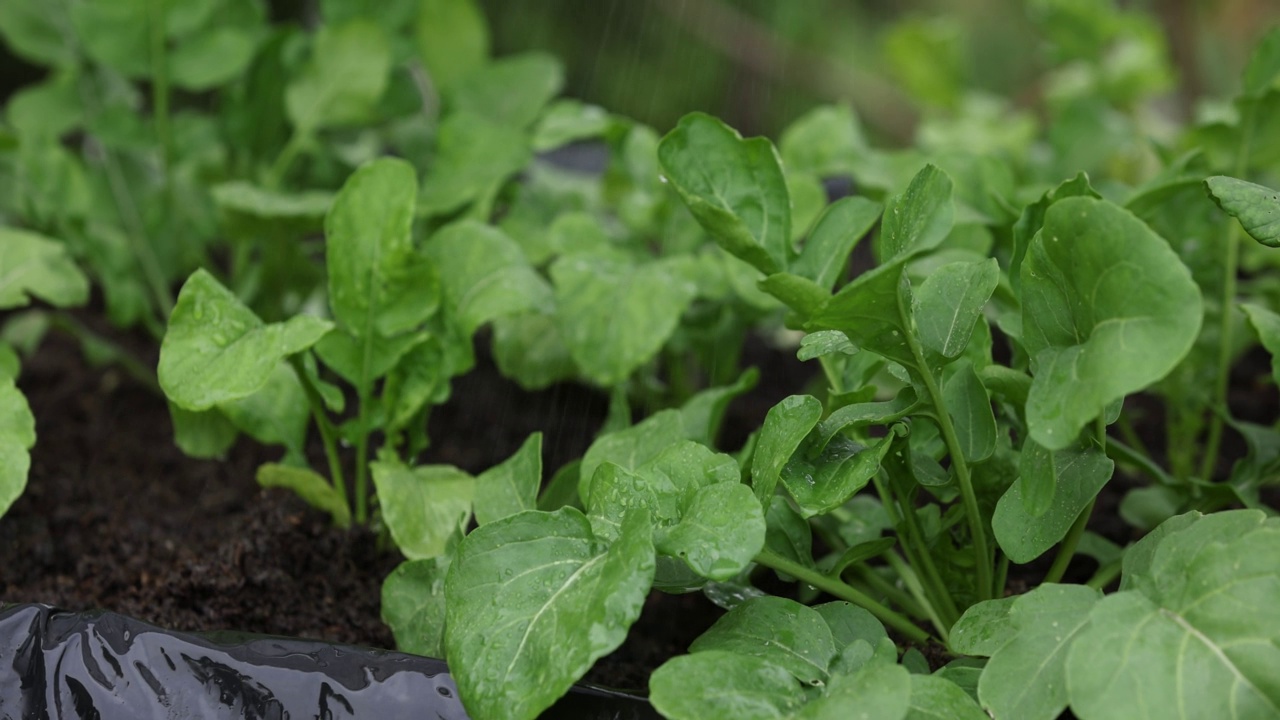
(1074, 477)
(347, 74)
(785, 427)
(534, 600)
(17, 436)
(936, 698)
(781, 631)
(34, 265)
(720, 531)
(413, 605)
(950, 301)
(1107, 309)
(630, 448)
(722, 685)
(1256, 207)
(511, 91)
(512, 485)
(216, 350)
(452, 39)
(484, 274)
(423, 506)
(878, 691)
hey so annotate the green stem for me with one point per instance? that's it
(981, 552)
(328, 434)
(1230, 270)
(275, 176)
(912, 582)
(1002, 574)
(1105, 575)
(918, 553)
(1067, 550)
(878, 584)
(843, 591)
(132, 367)
(1120, 452)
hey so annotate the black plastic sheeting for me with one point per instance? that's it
(59, 665)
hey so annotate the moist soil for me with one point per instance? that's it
(116, 517)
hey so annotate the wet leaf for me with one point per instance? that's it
(917, 219)
(632, 447)
(823, 483)
(1076, 475)
(835, 234)
(950, 301)
(484, 274)
(970, 409)
(717, 684)
(422, 506)
(512, 485)
(785, 427)
(309, 485)
(413, 605)
(936, 698)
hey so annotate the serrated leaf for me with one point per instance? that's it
(512, 485)
(1079, 474)
(1108, 309)
(413, 605)
(785, 427)
(950, 301)
(378, 283)
(216, 350)
(484, 274)
(717, 684)
(34, 265)
(734, 187)
(422, 506)
(318, 492)
(534, 600)
(615, 315)
(1256, 207)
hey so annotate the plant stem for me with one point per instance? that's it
(918, 553)
(1105, 575)
(328, 435)
(878, 584)
(1067, 550)
(843, 591)
(912, 582)
(1120, 452)
(275, 176)
(1225, 340)
(1002, 574)
(981, 552)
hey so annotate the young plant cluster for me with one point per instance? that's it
(351, 206)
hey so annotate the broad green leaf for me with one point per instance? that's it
(785, 427)
(34, 265)
(1267, 325)
(1026, 676)
(1032, 219)
(950, 301)
(566, 121)
(984, 628)
(203, 434)
(529, 349)
(721, 529)
(1255, 206)
(347, 74)
(115, 34)
(216, 350)
(734, 187)
(534, 600)
(512, 485)
(277, 414)
(850, 623)
(630, 448)
(1076, 475)
(511, 91)
(484, 274)
(422, 506)
(413, 605)
(475, 156)
(211, 58)
(837, 231)
(318, 492)
(1199, 633)
(704, 411)
(17, 436)
(1108, 309)
(919, 218)
(614, 315)
(452, 38)
(825, 141)
(823, 483)
(46, 110)
(937, 698)
(877, 692)
(870, 312)
(363, 360)
(34, 31)
(824, 342)
(970, 409)
(722, 685)
(378, 283)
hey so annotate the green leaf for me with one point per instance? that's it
(203, 434)
(780, 631)
(534, 600)
(801, 294)
(936, 698)
(566, 121)
(423, 506)
(344, 80)
(919, 218)
(216, 350)
(703, 413)
(785, 427)
(970, 409)
(984, 628)
(850, 623)
(1267, 325)
(511, 91)
(1076, 475)
(614, 315)
(46, 110)
(529, 349)
(630, 448)
(240, 197)
(363, 360)
(836, 232)
(318, 492)
(17, 436)
(1262, 74)
(475, 156)
(452, 38)
(870, 311)
(512, 485)
(1026, 676)
(413, 605)
(950, 301)
(1256, 207)
(277, 414)
(484, 274)
(1199, 636)
(824, 342)
(787, 532)
(378, 283)
(115, 34)
(720, 531)
(34, 265)
(734, 188)
(1108, 309)
(825, 141)
(823, 483)
(211, 58)
(34, 31)
(877, 691)
(722, 685)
